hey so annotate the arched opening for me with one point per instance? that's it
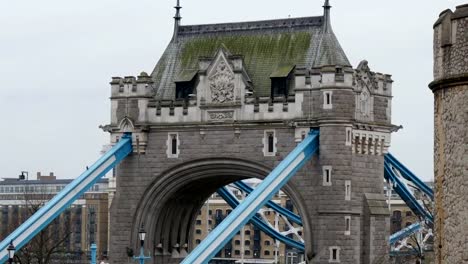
(170, 205)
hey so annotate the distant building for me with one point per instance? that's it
(253, 246)
(86, 220)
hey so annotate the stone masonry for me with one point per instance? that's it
(450, 88)
(209, 115)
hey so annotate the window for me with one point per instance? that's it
(183, 90)
(185, 84)
(247, 253)
(327, 171)
(247, 232)
(267, 242)
(247, 242)
(198, 231)
(198, 241)
(348, 190)
(237, 252)
(279, 87)
(210, 212)
(198, 222)
(347, 225)
(327, 100)
(409, 213)
(334, 255)
(266, 253)
(173, 145)
(237, 242)
(269, 143)
(349, 134)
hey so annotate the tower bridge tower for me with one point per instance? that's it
(450, 88)
(228, 102)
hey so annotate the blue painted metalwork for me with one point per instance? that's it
(37, 222)
(141, 259)
(406, 195)
(408, 175)
(93, 253)
(258, 222)
(283, 211)
(405, 232)
(257, 199)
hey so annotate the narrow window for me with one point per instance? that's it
(334, 255)
(349, 133)
(327, 174)
(347, 190)
(347, 225)
(271, 142)
(174, 144)
(327, 100)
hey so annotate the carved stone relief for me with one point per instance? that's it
(222, 84)
(221, 115)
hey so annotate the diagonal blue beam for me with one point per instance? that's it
(408, 175)
(283, 211)
(52, 209)
(257, 199)
(405, 232)
(406, 195)
(258, 222)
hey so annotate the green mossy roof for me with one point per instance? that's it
(268, 48)
(262, 54)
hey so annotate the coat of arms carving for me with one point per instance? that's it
(222, 84)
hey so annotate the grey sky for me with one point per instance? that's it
(57, 57)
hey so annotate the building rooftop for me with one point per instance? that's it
(16, 181)
(265, 47)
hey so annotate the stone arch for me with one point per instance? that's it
(170, 204)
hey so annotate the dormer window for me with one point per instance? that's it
(185, 84)
(281, 81)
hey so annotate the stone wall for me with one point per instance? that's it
(450, 89)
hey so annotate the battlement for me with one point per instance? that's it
(450, 43)
(222, 94)
(131, 86)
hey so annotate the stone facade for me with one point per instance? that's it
(186, 148)
(450, 89)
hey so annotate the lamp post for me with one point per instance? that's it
(142, 236)
(11, 252)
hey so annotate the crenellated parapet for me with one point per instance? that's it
(221, 91)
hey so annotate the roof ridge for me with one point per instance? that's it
(252, 25)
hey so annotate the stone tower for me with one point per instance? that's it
(228, 102)
(450, 88)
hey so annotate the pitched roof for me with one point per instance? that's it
(265, 46)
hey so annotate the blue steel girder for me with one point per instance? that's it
(52, 209)
(258, 222)
(405, 232)
(283, 211)
(408, 175)
(257, 199)
(406, 195)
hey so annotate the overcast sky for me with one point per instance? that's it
(57, 58)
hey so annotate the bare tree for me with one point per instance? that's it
(49, 244)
